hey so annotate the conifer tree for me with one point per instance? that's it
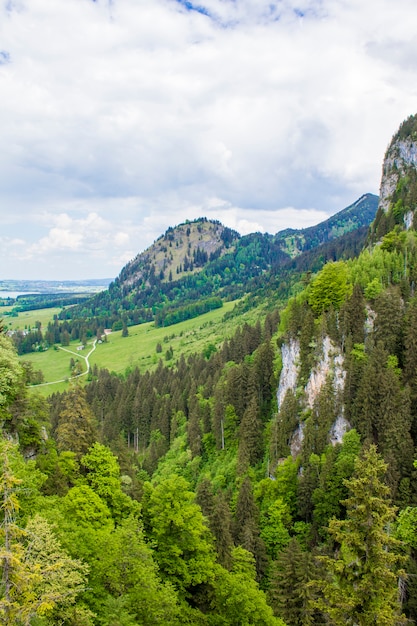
(352, 316)
(77, 428)
(289, 592)
(246, 527)
(221, 527)
(361, 586)
(410, 359)
(250, 438)
(388, 322)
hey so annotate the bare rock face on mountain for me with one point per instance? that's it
(398, 191)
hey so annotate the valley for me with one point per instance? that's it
(139, 349)
(243, 448)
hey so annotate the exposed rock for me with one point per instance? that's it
(408, 219)
(400, 157)
(331, 364)
(339, 428)
(370, 320)
(290, 366)
(297, 440)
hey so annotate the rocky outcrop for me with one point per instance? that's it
(290, 353)
(400, 159)
(329, 366)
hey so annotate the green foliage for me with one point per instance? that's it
(128, 573)
(237, 600)
(361, 585)
(184, 552)
(337, 467)
(329, 288)
(39, 578)
(11, 375)
(167, 317)
(85, 508)
(290, 594)
(76, 430)
(103, 476)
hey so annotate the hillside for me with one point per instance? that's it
(269, 480)
(398, 190)
(182, 250)
(201, 260)
(360, 213)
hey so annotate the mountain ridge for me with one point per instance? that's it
(203, 259)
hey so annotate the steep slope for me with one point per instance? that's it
(360, 213)
(337, 348)
(185, 249)
(204, 259)
(398, 190)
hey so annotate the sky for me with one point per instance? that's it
(121, 118)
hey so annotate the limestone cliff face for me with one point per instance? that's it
(400, 159)
(329, 365)
(290, 354)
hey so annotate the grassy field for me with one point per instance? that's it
(27, 318)
(139, 348)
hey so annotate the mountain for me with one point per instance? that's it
(268, 480)
(398, 190)
(182, 250)
(201, 260)
(360, 213)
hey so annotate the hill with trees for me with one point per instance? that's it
(194, 267)
(270, 481)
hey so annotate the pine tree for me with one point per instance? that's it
(77, 429)
(289, 592)
(361, 587)
(250, 438)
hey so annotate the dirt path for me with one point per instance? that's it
(77, 354)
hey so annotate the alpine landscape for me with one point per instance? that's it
(224, 435)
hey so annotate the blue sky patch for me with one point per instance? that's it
(4, 57)
(193, 7)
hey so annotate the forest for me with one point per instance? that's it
(270, 481)
(176, 496)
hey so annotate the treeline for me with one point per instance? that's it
(257, 268)
(167, 317)
(234, 494)
(33, 302)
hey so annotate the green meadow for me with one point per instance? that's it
(26, 319)
(142, 348)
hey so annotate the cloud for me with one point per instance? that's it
(141, 113)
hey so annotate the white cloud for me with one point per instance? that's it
(140, 113)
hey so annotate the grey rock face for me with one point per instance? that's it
(400, 156)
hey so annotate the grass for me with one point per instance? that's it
(139, 348)
(55, 364)
(25, 319)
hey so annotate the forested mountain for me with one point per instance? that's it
(271, 481)
(201, 260)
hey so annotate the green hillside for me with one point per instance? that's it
(257, 468)
(199, 260)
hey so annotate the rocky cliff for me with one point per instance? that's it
(398, 190)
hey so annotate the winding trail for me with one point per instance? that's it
(77, 354)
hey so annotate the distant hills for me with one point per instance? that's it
(55, 286)
(202, 259)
